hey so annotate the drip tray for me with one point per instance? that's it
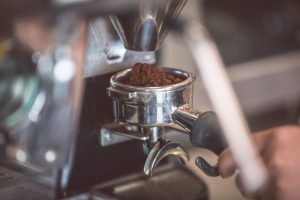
(170, 182)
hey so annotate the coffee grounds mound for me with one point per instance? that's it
(146, 75)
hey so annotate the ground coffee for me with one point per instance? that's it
(146, 75)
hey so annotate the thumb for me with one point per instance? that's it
(226, 164)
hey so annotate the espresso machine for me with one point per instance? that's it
(70, 129)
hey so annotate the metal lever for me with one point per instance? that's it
(162, 149)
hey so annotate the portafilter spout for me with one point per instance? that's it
(145, 27)
(204, 131)
(162, 149)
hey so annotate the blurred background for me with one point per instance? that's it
(259, 42)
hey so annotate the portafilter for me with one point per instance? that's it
(152, 108)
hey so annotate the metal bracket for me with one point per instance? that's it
(113, 134)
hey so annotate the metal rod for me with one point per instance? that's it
(155, 133)
(225, 103)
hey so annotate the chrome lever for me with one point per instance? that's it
(162, 149)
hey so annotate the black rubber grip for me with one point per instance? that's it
(207, 133)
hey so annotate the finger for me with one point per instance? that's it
(265, 145)
(261, 138)
(226, 164)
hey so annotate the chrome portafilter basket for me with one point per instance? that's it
(151, 109)
(149, 106)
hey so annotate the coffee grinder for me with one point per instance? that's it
(43, 151)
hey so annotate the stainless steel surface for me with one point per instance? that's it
(162, 149)
(111, 134)
(155, 133)
(132, 132)
(185, 116)
(154, 107)
(149, 106)
(105, 52)
(110, 137)
(145, 28)
(211, 68)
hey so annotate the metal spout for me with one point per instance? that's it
(145, 28)
(162, 149)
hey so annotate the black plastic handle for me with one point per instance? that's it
(207, 133)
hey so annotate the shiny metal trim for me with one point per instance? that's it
(149, 106)
(185, 116)
(161, 150)
(124, 131)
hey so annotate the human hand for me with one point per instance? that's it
(280, 151)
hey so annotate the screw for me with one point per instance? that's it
(108, 137)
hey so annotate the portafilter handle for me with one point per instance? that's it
(204, 131)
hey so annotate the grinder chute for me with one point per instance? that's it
(145, 27)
